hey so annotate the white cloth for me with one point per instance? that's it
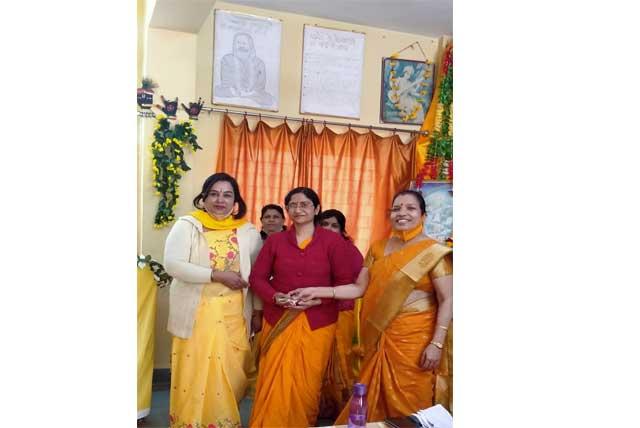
(186, 259)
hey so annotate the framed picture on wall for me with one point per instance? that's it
(407, 90)
(438, 196)
(332, 72)
(246, 60)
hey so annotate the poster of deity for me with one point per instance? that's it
(438, 197)
(407, 89)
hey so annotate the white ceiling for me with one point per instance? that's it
(432, 18)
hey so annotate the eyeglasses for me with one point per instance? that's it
(304, 205)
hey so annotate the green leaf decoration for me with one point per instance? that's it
(168, 163)
(160, 275)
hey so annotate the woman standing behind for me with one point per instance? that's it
(406, 311)
(339, 377)
(209, 253)
(296, 339)
(272, 219)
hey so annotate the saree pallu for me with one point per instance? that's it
(396, 385)
(394, 334)
(208, 370)
(291, 374)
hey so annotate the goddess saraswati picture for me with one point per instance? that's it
(407, 89)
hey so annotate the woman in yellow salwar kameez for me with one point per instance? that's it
(209, 253)
(406, 311)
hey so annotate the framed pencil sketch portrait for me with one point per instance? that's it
(407, 89)
(246, 60)
(438, 196)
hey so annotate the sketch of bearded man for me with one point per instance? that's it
(242, 73)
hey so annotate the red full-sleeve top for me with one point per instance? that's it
(282, 266)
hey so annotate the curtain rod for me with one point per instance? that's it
(313, 121)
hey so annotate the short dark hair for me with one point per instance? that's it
(342, 221)
(309, 193)
(416, 194)
(213, 179)
(271, 207)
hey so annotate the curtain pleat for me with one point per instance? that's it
(352, 172)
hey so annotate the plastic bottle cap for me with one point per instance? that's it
(359, 389)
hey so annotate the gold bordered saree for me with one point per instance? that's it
(393, 333)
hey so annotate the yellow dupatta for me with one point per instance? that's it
(215, 224)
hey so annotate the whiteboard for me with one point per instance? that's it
(332, 64)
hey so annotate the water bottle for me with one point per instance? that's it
(358, 407)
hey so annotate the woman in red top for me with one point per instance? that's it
(297, 337)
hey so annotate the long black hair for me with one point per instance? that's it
(342, 221)
(416, 194)
(213, 179)
(309, 193)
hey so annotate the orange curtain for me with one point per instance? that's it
(354, 173)
(357, 174)
(263, 161)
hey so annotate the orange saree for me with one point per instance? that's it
(394, 334)
(339, 377)
(293, 359)
(291, 374)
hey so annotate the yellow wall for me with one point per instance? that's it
(181, 63)
(171, 62)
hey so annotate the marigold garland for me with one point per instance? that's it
(439, 160)
(168, 164)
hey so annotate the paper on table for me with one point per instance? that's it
(435, 417)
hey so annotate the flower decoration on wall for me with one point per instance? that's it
(167, 151)
(439, 159)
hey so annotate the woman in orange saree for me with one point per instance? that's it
(339, 376)
(297, 337)
(406, 311)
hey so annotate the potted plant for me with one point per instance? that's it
(145, 93)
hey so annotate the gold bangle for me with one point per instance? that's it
(436, 344)
(334, 292)
(443, 327)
